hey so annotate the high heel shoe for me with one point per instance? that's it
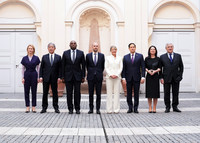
(27, 111)
(33, 111)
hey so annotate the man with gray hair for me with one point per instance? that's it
(172, 74)
(50, 74)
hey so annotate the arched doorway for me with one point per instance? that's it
(17, 30)
(95, 27)
(173, 23)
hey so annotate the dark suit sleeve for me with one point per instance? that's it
(124, 68)
(143, 66)
(103, 65)
(60, 68)
(63, 66)
(41, 68)
(160, 67)
(83, 65)
(87, 61)
(181, 67)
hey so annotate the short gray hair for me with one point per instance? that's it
(51, 44)
(113, 47)
(169, 44)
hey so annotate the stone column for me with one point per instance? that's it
(197, 52)
(68, 30)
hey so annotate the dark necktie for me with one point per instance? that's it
(73, 56)
(132, 59)
(51, 60)
(95, 59)
(170, 57)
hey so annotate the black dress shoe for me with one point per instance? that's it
(70, 111)
(150, 112)
(176, 110)
(90, 112)
(129, 111)
(98, 112)
(78, 112)
(57, 111)
(43, 111)
(136, 111)
(154, 112)
(167, 110)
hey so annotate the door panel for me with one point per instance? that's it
(13, 48)
(183, 44)
(6, 62)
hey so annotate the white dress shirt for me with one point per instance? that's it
(172, 55)
(113, 66)
(53, 55)
(133, 55)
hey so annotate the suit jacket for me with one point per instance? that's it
(47, 71)
(135, 70)
(171, 71)
(76, 69)
(95, 69)
(113, 66)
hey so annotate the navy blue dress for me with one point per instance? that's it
(30, 77)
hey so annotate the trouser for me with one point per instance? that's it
(175, 94)
(54, 87)
(94, 84)
(136, 85)
(30, 83)
(73, 86)
(113, 101)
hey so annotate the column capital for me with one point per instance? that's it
(151, 24)
(197, 25)
(69, 23)
(120, 23)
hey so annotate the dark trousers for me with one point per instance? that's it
(175, 92)
(30, 83)
(97, 85)
(54, 86)
(130, 85)
(73, 86)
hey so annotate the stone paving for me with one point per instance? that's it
(16, 126)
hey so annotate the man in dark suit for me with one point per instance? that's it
(133, 74)
(73, 72)
(172, 73)
(50, 74)
(95, 67)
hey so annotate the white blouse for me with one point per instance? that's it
(113, 66)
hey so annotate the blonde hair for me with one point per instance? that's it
(32, 47)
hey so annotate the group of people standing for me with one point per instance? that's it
(131, 69)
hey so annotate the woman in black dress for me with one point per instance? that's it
(153, 66)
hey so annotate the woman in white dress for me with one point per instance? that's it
(113, 67)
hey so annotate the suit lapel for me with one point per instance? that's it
(55, 58)
(76, 56)
(69, 55)
(48, 59)
(91, 58)
(166, 56)
(98, 59)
